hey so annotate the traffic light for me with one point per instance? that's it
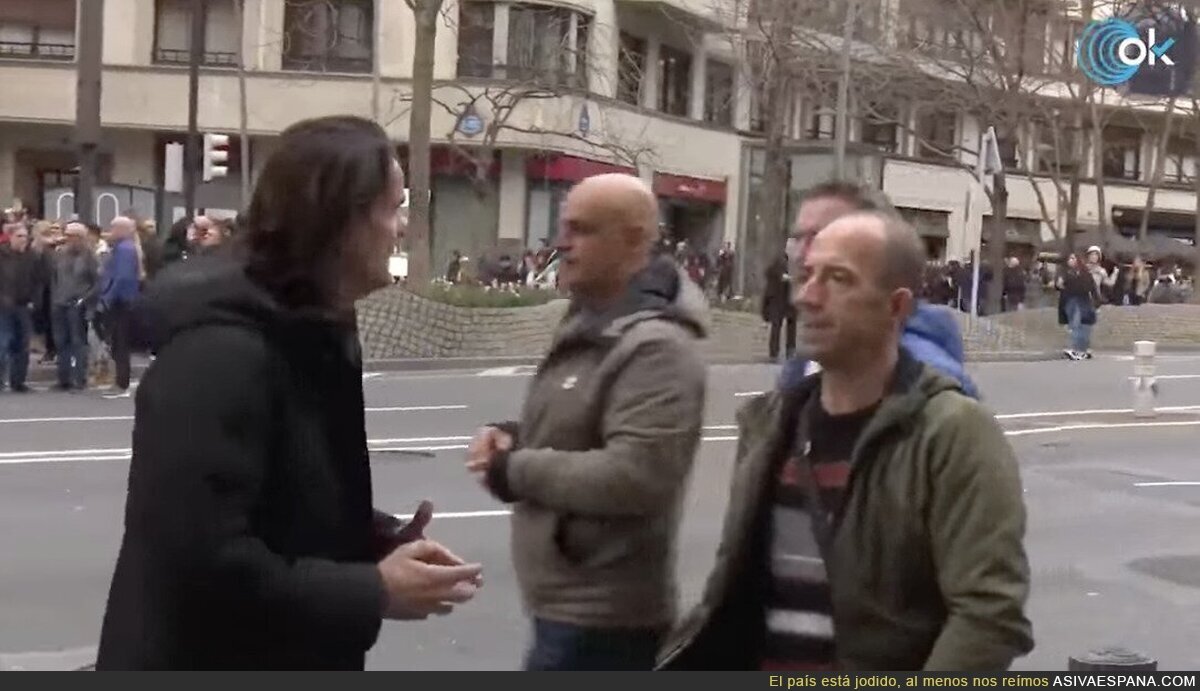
(216, 156)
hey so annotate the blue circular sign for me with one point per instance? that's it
(470, 124)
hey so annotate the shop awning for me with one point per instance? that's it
(562, 168)
(689, 188)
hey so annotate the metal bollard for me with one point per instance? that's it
(1112, 660)
(1145, 389)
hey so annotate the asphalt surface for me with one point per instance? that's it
(1115, 554)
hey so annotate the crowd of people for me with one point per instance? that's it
(69, 293)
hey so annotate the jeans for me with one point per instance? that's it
(773, 337)
(69, 325)
(16, 326)
(562, 647)
(117, 327)
(1081, 334)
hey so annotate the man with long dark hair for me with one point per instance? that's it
(250, 541)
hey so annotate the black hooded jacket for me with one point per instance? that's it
(248, 526)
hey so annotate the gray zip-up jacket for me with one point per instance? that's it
(73, 275)
(605, 445)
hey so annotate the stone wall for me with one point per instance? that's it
(1171, 326)
(396, 324)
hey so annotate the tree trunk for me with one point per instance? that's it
(1160, 158)
(776, 173)
(245, 171)
(426, 14)
(1196, 174)
(997, 241)
(1071, 224)
(1098, 163)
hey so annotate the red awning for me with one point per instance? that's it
(562, 168)
(689, 188)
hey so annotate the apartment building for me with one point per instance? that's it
(921, 150)
(529, 98)
(532, 96)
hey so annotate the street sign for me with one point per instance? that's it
(173, 168)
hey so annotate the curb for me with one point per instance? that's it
(1013, 355)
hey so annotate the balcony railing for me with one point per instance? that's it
(172, 56)
(37, 51)
(326, 63)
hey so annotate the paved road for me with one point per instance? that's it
(1116, 560)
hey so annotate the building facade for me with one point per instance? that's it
(531, 97)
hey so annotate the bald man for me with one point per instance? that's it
(120, 286)
(597, 467)
(876, 520)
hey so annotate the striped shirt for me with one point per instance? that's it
(799, 609)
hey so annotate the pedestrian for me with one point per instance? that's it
(777, 310)
(20, 296)
(120, 288)
(597, 467)
(1139, 282)
(931, 334)
(1078, 300)
(726, 260)
(1105, 280)
(73, 279)
(1013, 297)
(454, 268)
(876, 517)
(176, 247)
(250, 541)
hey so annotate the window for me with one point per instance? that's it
(1122, 153)
(1056, 148)
(630, 68)
(476, 33)
(822, 124)
(937, 136)
(328, 35)
(1180, 163)
(37, 29)
(548, 45)
(880, 126)
(1060, 58)
(718, 93)
(173, 33)
(675, 81)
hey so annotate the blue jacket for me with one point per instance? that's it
(931, 336)
(121, 282)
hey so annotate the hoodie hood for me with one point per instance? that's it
(660, 291)
(206, 291)
(931, 336)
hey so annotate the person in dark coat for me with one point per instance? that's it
(777, 309)
(250, 541)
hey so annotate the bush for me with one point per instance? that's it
(486, 296)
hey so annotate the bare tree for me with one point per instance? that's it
(426, 13)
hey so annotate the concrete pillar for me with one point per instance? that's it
(128, 32)
(394, 61)
(445, 60)
(699, 83)
(7, 174)
(743, 94)
(270, 34)
(500, 24)
(514, 193)
(251, 34)
(604, 49)
(653, 73)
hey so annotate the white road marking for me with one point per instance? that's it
(748, 394)
(515, 371)
(463, 514)
(1171, 376)
(129, 418)
(1098, 411)
(371, 375)
(430, 443)
(1167, 484)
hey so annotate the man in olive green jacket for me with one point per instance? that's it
(919, 564)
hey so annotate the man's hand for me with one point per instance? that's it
(487, 442)
(422, 578)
